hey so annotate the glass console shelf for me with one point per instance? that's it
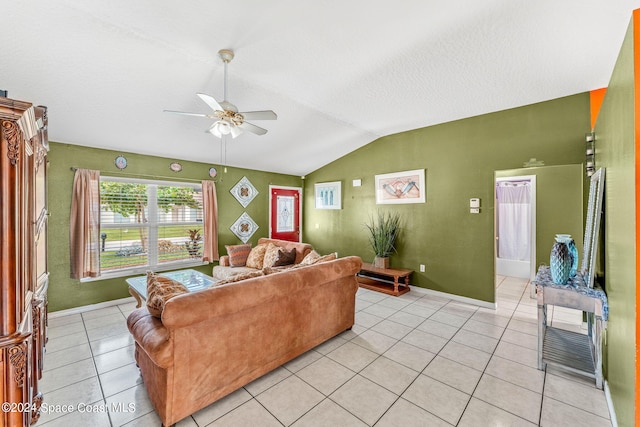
(568, 350)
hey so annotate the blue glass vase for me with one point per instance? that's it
(560, 262)
(573, 250)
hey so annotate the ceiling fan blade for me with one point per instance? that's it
(260, 115)
(185, 113)
(252, 128)
(210, 101)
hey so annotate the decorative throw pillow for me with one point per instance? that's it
(271, 255)
(325, 258)
(161, 289)
(285, 257)
(256, 256)
(311, 257)
(239, 277)
(238, 254)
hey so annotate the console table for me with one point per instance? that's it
(572, 351)
(193, 280)
(385, 280)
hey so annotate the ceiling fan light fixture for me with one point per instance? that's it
(235, 131)
(218, 129)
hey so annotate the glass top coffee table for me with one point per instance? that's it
(193, 280)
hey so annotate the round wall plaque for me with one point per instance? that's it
(120, 162)
(213, 172)
(175, 166)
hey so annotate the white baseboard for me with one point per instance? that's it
(480, 303)
(90, 307)
(612, 410)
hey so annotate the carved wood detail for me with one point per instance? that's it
(13, 135)
(37, 404)
(18, 358)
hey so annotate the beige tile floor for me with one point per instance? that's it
(414, 360)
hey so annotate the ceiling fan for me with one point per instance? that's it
(227, 118)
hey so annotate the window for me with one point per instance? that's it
(149, 224)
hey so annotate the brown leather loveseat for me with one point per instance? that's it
(212, 342)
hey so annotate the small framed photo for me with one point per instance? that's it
(329, 195)
(401, 187)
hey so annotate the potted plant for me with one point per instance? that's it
(193, 245)
(383, 231)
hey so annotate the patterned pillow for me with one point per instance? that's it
(238, 254)
(285, 257)
(311, 257)
(256, 256)
(239, 277)
(161, 289)
(271, 255)
(325, 258)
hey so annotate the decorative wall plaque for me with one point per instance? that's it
(244, 192)
(244, 227)
(120, 162)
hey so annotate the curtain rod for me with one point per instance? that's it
(75, 168)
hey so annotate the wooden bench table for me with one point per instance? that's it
(385, 280)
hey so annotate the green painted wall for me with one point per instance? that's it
(557, 187)
(460, 159)
(65, 292)
(615, 150)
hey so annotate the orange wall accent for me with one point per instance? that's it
(596, 97)
(636, 85)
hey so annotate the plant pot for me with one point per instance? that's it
(381, 262)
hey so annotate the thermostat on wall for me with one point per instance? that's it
(474, 203)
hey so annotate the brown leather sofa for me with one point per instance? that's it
(212, 342)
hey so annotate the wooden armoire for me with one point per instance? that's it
(23, 259)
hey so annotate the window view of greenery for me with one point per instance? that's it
(133, 236)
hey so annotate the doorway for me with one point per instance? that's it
(515, 226)
(285, 213)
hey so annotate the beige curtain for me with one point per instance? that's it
(210, 211)
(85, 224)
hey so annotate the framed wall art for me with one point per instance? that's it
(401, 187)
(328, 195)
(244, 191)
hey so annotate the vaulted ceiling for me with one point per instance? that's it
(339, 74)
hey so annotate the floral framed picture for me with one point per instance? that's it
(329, 195)
(401, 187)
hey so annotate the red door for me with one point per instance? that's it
(285, 214)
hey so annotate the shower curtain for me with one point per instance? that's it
(514, 221)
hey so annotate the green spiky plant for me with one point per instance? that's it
(383, 231)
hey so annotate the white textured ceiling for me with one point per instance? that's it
(339, 74)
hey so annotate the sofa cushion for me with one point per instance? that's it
(256, 256)
(271, 255)
(311, 258)
(239, 277)
(223, 273)
(161, 289)
(325, 258)
(238, 254)
(302, 249)
(285, 257)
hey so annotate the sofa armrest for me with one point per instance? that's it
(224, 261)
(152, 336)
